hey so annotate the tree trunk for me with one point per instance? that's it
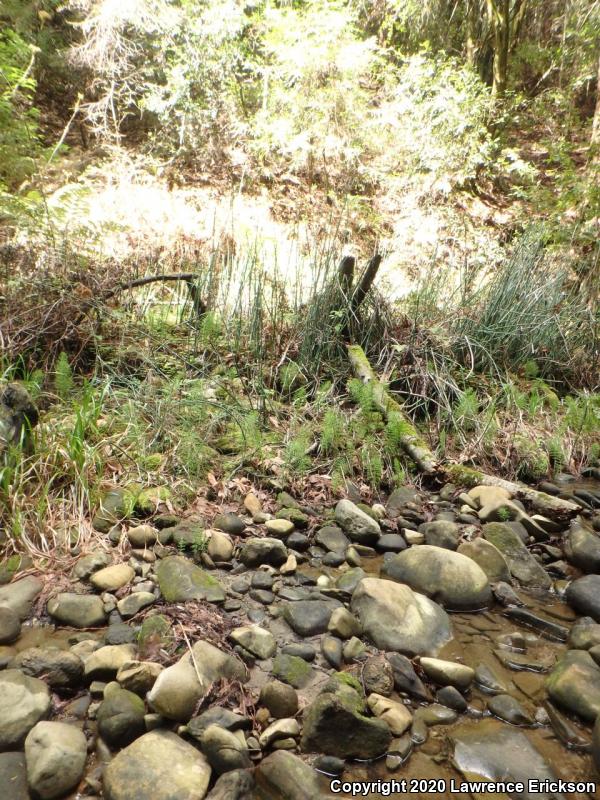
(542, 502)
(595, 142)
(471, 45)
(410, 441)
(499, 17)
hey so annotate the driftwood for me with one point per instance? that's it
(545, 503)
(189, 278)
(419, 452)
(410, 441)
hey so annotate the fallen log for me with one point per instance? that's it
(545, 503)
(411, 442)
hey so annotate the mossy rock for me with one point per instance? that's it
(116, 505)
(368, 510)
(155, 631)
(463, 476)
(180, 580)
(12, 565)
(149, 500)
(286, 500)
(299, 518)
(292, 669)
(231, 442)
(187, 534)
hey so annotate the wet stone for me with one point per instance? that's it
(301, 649)
(510, 710)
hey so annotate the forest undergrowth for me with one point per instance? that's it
(177, 389)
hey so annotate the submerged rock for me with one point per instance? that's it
(488, 749)
(574, 684)
(396, 618)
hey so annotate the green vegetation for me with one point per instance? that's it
(246, 147)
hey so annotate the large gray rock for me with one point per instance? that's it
(335, 725)
(77, 610)
(120, 717)
(488, 557)
(10, 625)
(521, 563)
(267, 550)
(20, 595)
(224, 750)
(13, 776)
(358, 525)
(146, 770)
(584, 596)
(180, 579)
(59, 668)
(179, 688)
(490, 750)
(441, 533)
(56, 754)
(396, 618)
(24, 701)
(574, 684)
(582, 548)
(449, 578)
(284, 776)
(309, 617)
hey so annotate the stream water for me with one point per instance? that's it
(518, 654)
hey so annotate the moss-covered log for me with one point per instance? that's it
(542, 502)
(411, 442)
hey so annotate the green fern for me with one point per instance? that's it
(63, 377)
(530, 370)
(465, 411)
(556, 454)
(362, 394)
(371, 464)
(396, 429)
(333, 432)
(297, 462)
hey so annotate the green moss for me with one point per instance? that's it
(294, 515)
(149, 500)
(292, 669)
(155, 631)
(463, 476)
